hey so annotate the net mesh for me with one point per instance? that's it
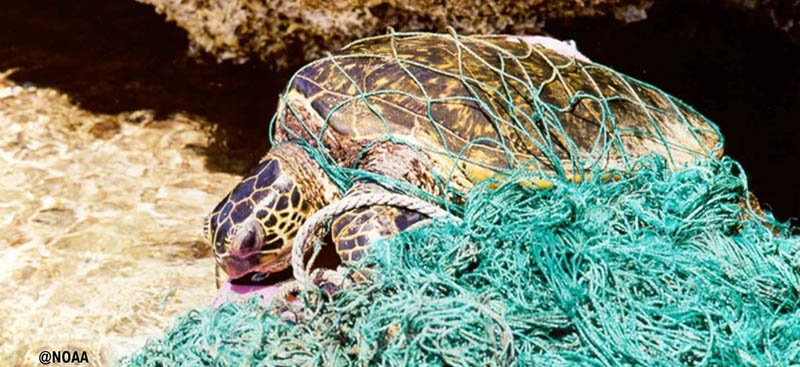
(475, 106)
(642, 248)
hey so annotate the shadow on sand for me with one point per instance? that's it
(117, 56)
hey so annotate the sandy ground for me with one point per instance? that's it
(100, 223)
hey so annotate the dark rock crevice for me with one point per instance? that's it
(120, 56)
(113, 57)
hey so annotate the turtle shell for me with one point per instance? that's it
(487, 102)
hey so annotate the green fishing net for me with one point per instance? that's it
(659, 269)
(466, 104)
(653, 258)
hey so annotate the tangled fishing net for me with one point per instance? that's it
(650, 261)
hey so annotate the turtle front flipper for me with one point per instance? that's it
(355, 231)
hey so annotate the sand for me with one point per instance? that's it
(100, 224)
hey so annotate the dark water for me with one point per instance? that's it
(115, 56)
(733, 67)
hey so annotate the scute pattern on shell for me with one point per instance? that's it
(494, 101)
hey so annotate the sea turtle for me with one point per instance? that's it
(438, 112)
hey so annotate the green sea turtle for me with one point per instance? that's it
(441, 113)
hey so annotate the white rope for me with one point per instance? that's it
(308, 232)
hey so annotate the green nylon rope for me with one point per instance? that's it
(659, 268)
(665, 265)
(538, 129)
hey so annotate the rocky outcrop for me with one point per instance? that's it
(286, 33)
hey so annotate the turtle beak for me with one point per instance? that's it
(236, 266)
(256, 263)
(246, 254)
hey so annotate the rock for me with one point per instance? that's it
(285, 34)
(288, 33)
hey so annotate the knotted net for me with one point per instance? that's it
(471, 107)
(613, 256)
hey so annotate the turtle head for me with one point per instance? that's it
(251, 230)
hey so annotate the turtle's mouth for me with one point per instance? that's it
(238, 266)
(235, 289)
(262, 279)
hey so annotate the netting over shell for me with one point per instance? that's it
(625, 257)
(475, 106)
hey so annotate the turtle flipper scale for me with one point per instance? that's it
(355, 231)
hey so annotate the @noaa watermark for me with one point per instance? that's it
(63, 356)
